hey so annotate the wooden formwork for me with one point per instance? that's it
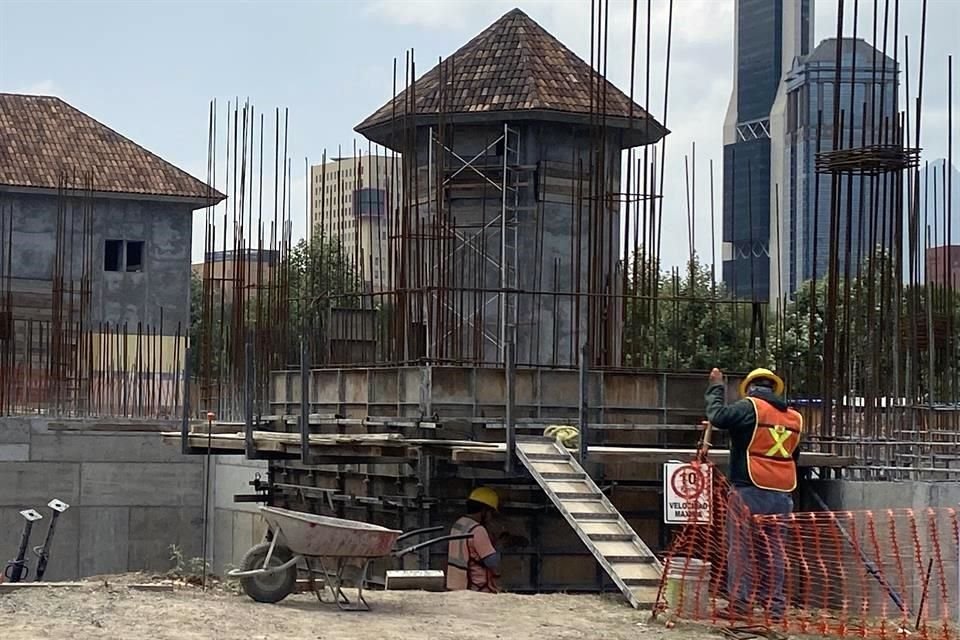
(650, 410)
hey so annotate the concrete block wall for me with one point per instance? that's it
(131, 495)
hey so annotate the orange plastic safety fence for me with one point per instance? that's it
(878, 574)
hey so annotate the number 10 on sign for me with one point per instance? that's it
(687, 493)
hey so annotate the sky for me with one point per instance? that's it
(149, 69)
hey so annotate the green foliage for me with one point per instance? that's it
(692, 324)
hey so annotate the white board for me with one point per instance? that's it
(687, 491)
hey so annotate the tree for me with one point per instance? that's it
(686, 321)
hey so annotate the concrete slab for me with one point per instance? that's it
(141, 484)
(105, 447)
(14, 452)
(103, 546)
(32, 484)
(14, 431)
(154, 529)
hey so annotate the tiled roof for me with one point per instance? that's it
(43, 137)
(514, 65)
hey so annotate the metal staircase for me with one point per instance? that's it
(609, 537)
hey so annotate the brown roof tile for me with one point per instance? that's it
(513, 65)
(42, 136)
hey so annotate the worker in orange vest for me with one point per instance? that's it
(474, 563)
(764, 450)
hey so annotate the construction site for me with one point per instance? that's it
(501, 316)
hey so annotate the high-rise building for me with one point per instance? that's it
(943, 265)
(800, 230)
(769, 35)
(353, 201)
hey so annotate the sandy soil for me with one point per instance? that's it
(112, 611)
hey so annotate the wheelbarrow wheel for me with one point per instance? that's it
(273, 587)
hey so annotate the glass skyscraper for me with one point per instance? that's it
(800, 231)
(770, 34)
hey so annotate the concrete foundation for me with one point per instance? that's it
(131, 494)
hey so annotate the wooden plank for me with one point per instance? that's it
(644, 455)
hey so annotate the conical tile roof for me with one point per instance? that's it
(514, 69)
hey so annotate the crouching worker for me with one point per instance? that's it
(473, 563)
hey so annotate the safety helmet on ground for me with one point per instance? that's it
(486, 496)
(763, 374)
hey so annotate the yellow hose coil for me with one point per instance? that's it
(566, 435)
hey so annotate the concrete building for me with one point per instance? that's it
(502, 144)
(768, 36)
(354, 200)
(799, 238)
(96, 242)
(251, 270)
(943, 265)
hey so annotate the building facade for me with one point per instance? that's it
(769, 34)
(801, 204)
(354, 201)
(943, 265)
(94, 254)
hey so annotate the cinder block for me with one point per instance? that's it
(422, 580)
(154, 529)
(103, 546)
(102, 447)
(148, 484)
(14, 452)
(33, 484)
(14, 431)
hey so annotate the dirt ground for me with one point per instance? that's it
(110, 610)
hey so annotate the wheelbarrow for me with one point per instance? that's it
(268, 571)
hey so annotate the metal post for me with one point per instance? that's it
(248, 400)
(509, 372)
(185, 423)
(304, 403)
(43, 552)
(503, 252)
(17, 568)
(584, 408)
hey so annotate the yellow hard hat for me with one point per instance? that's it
(763, 374)
(487, 496)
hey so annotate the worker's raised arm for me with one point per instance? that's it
(723, 416)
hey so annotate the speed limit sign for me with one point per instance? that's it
(687, 493)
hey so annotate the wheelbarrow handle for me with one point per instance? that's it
(417, 532)
(432, 541)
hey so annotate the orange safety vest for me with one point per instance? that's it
(776, 436)
(465, 569)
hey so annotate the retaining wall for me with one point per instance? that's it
(131, 494)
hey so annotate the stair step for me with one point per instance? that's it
(578, 495)
(551, 457)
(641, 582)
(611, 537)
(637, 559)
(594, 516)
(635, 569)
(562, 475)
(602, 526)
(618, 548)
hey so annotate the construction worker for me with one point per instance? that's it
(764, 450)
(473, 563)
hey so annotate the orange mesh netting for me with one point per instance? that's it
(878, 574)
